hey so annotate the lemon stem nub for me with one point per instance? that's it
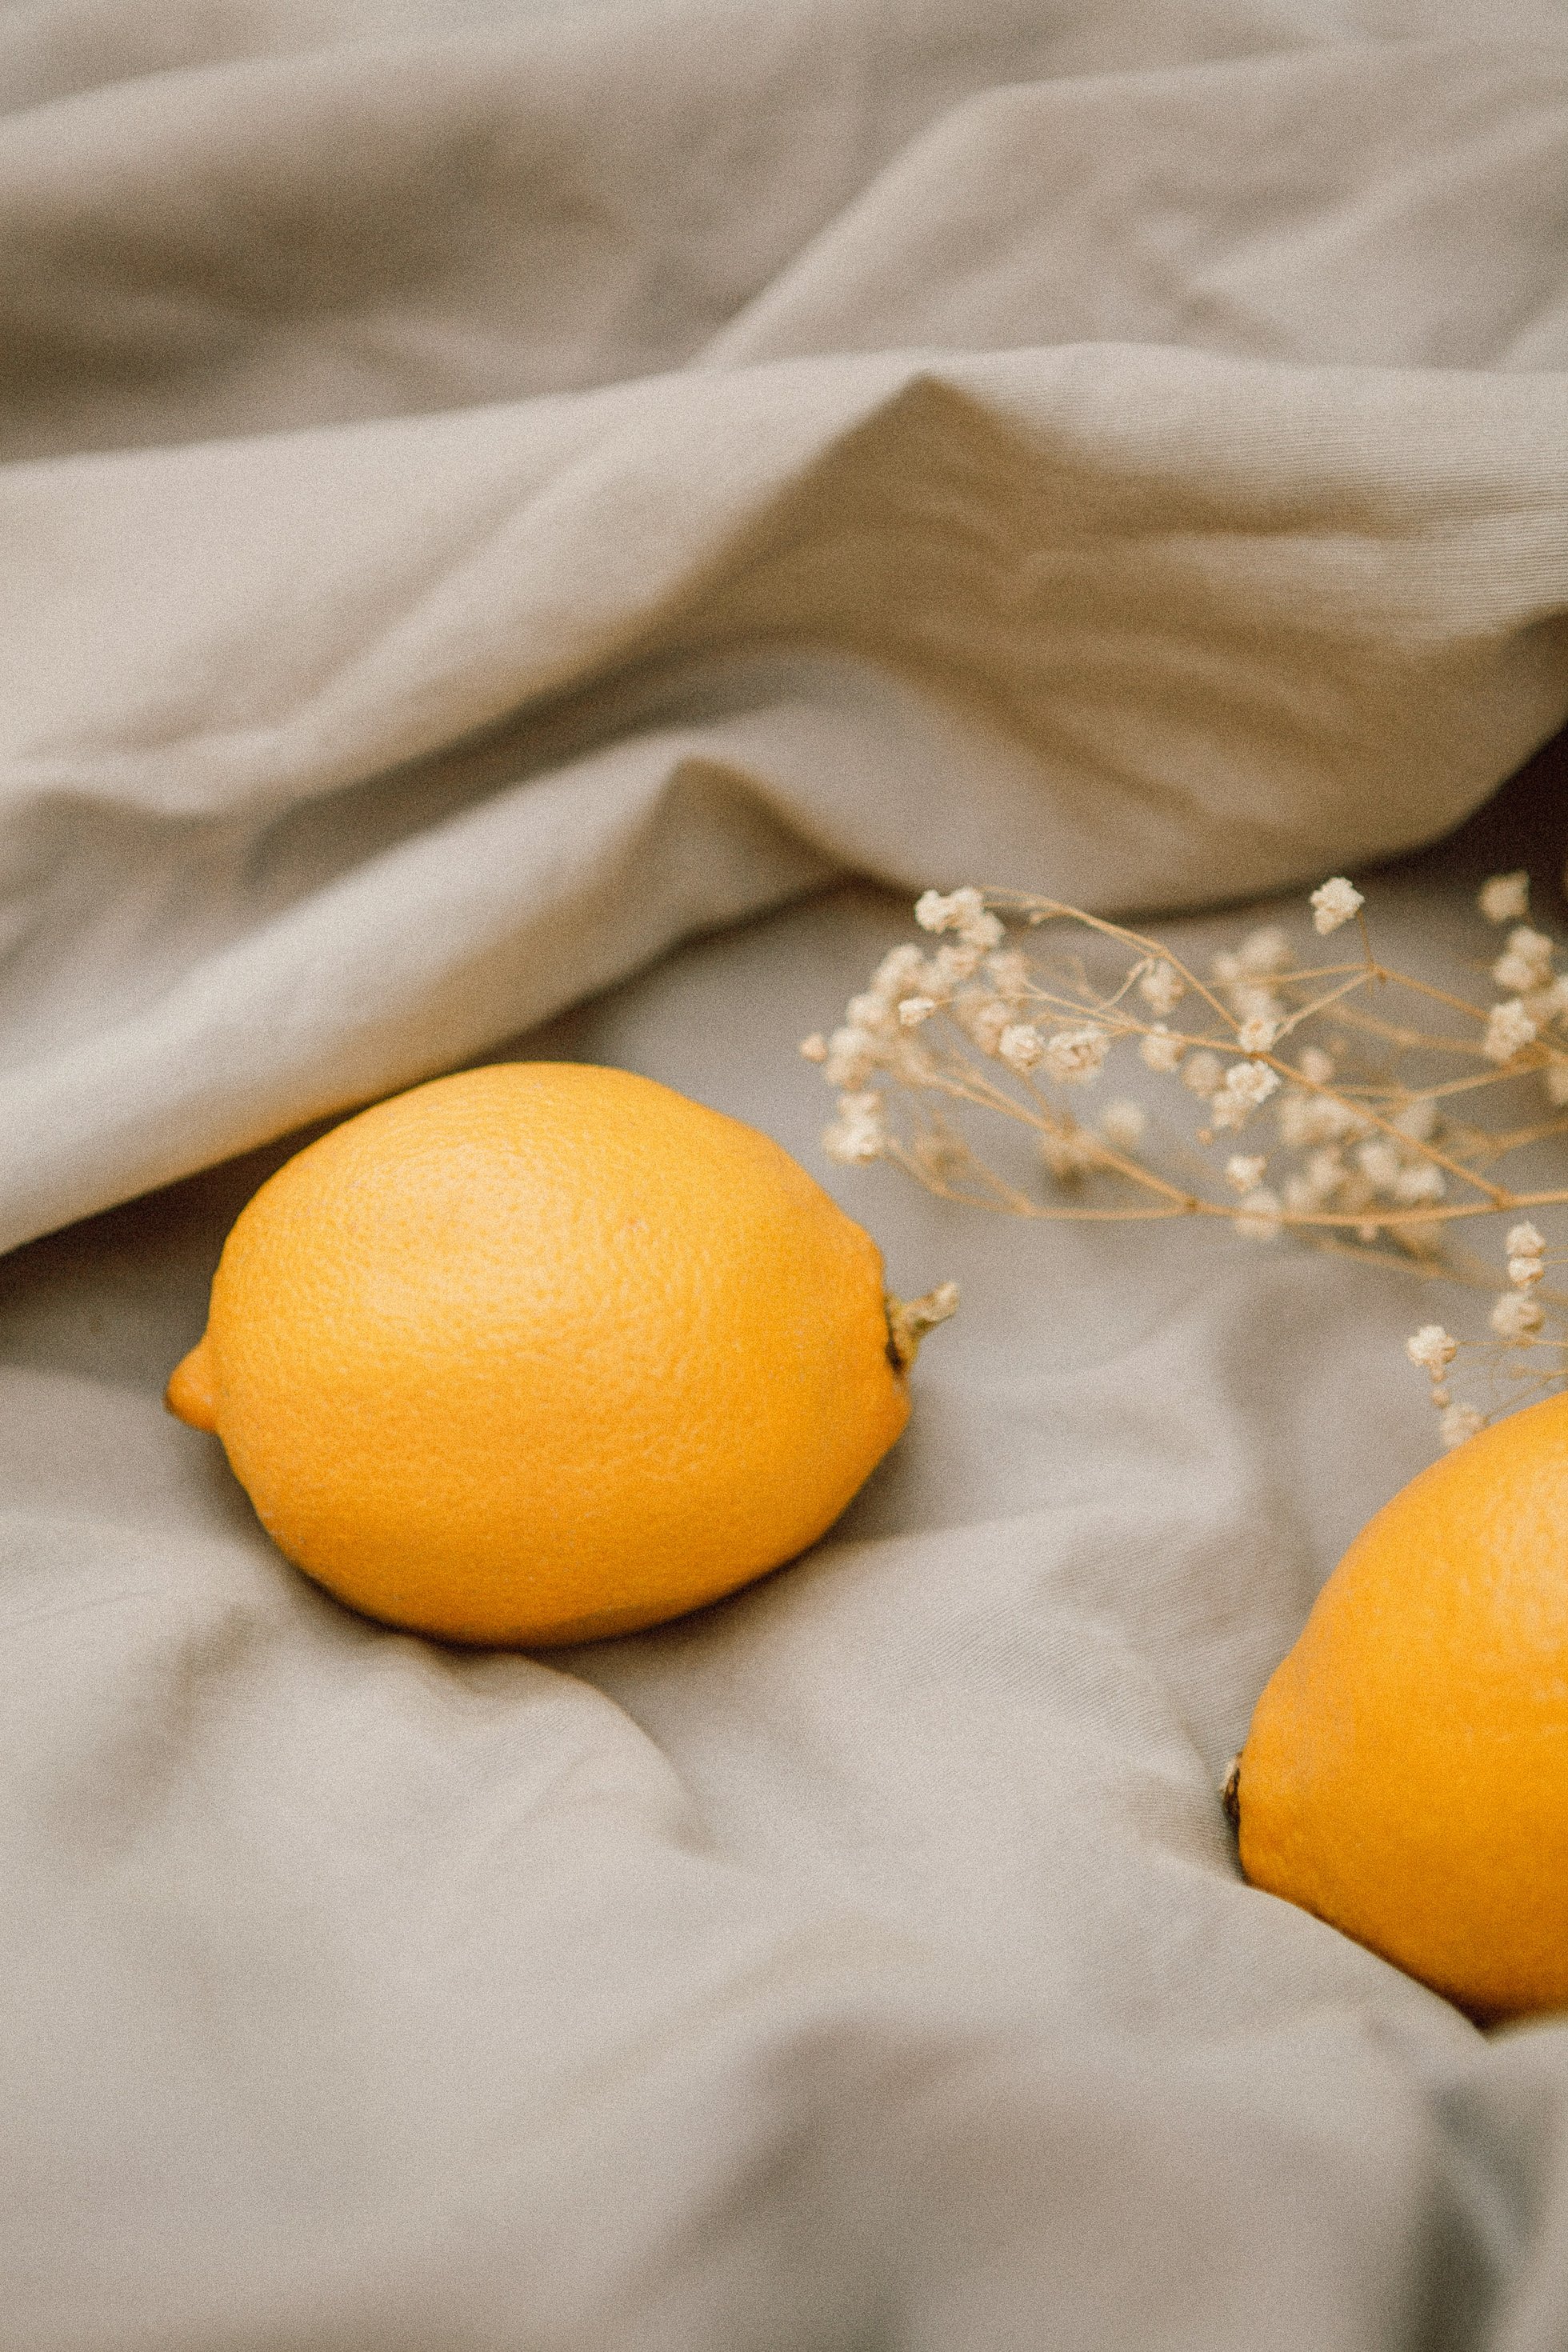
(189, 1395)
(909, 1320)
(1230, 1793)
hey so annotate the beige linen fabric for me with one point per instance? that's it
(490, 494)
(482, 505)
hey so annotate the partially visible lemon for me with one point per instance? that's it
(542, 1352)
(1405, 1775)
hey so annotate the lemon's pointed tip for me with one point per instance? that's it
(190, 1395)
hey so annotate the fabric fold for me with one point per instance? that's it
(1194, 625)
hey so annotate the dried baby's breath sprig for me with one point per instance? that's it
(1528, 1350)
(1340, 1099)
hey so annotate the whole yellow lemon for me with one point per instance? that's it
(542, 1352)
(1405, 1775)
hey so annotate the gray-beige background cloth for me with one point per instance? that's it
(522, 528)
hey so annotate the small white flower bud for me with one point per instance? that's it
(910, 1064)
(1201, 1072)
(1264, 951)
(1460, 1422)
(1334, 902)
(962, 911)
(1306, 1119)
(1379, 1163)
(1256, 1036)
(914, 1010)
(1258, 1217)
(933, 912)
(898, 969)
(1254, 1003)
(1161, 988)
(1525, 1241)
(1516, 1315)
(1504, 898)
(1325, 1174)
(1160, 1051)
(1021, 1046)
(1419, 1119)
(1526, 963)
(858, 1132)
(814, 1047)
(1009, 975)
(985, 1018)
(852, 1056)
(957, 962)
(1245, 1170)
(1432, 1349)
(976, 926)
(1510, 1030)
(871, 1011)
(1251, 1082)
(1069, 1154)
(1420, 1185)
(1074, 1057)
(1317, 1067)
(1124, 1125)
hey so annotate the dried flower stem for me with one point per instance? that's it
(909, 1320)
(1367, 1156)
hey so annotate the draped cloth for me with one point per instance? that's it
(523, 529)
